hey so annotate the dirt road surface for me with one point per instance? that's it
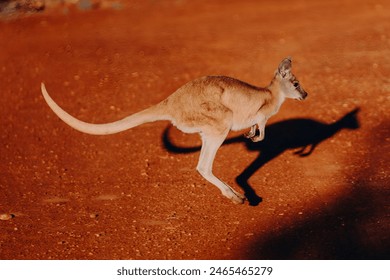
(318, 186)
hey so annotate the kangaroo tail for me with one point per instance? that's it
(151, 114)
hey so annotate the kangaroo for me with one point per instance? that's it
(210, 106)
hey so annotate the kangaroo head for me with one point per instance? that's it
(289, 84)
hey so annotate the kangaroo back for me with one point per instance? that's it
(150, 114)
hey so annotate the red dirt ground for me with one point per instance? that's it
(136, 195)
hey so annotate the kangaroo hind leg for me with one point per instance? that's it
(210, 145)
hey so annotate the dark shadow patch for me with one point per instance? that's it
(339, 231)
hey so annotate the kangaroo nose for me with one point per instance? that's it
(304, 95)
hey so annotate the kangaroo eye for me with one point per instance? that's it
(296, 84)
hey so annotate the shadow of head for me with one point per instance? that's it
(350, 120)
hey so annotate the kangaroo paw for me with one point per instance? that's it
(257, 138)
(249, 134)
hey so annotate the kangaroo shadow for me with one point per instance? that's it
(303, 135)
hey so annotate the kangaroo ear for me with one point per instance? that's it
(284, 68)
